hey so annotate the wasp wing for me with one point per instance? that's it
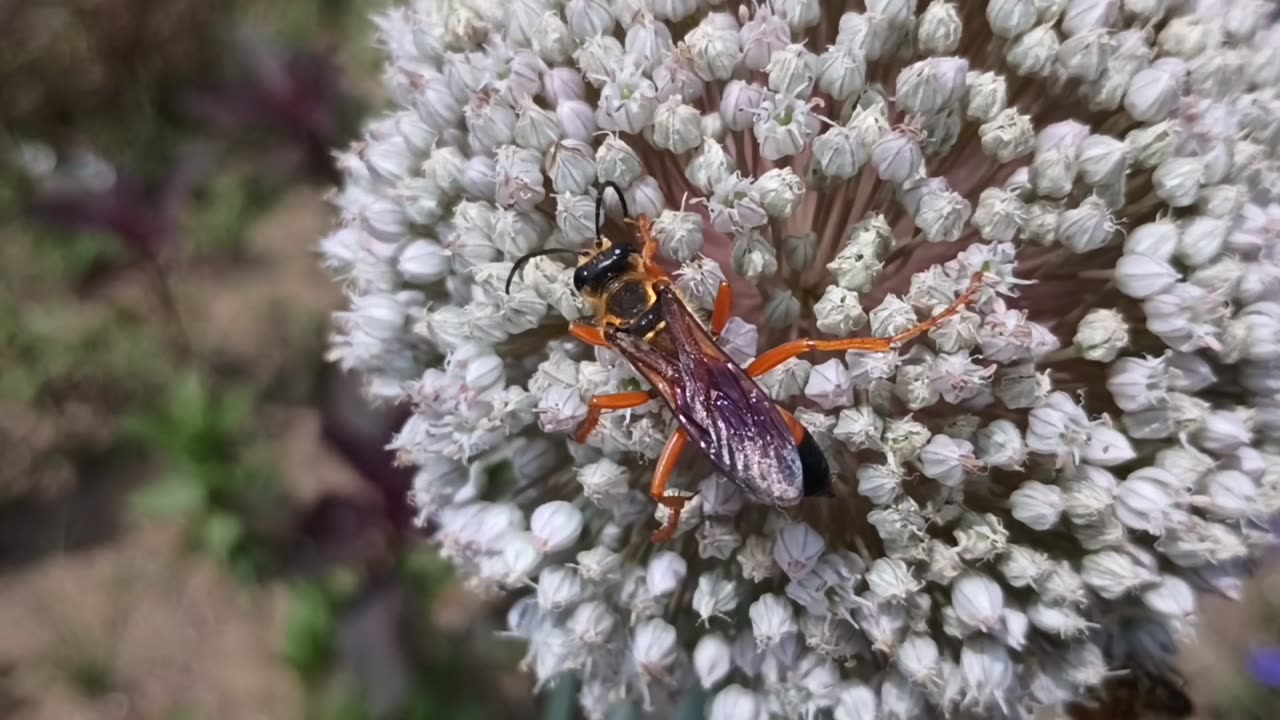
(723, 410)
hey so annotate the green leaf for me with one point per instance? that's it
(220, 533)
(235, 408)
(188, 403)
(308, 635)
(174, 495)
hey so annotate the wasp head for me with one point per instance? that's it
(599, 267)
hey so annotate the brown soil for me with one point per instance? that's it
(136, 628)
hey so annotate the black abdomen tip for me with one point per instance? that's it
(816, 471)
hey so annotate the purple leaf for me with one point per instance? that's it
(296, 94)
(1264, 665)
(144, 220)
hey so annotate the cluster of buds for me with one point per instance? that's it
(1027, 500)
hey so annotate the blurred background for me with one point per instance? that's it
(197, 516)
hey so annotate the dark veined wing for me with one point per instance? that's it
(723, 410)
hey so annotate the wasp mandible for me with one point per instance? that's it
(752, 441)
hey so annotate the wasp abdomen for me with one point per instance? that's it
(817, 473)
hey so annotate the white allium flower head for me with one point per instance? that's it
(1023, 499)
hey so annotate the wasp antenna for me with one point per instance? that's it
(608, 185)
(520, 261)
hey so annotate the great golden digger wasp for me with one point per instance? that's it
(751, 440)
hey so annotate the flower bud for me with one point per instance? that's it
(712, 659)
(942, 216)
(1150, 145)
(679, 234)
(1202, 240)
(947, 460)
(655, 647)
(881, 484)
(780, 191)
(1225, 431)
(999, 215)
(1082, 16)
(800, 251)
(796, 549)
(422, 262)
(938, 31)
(716, 51)
(647, 42)
(644, 197)
(1152, 95)
(838, 153)
(772, 618)
(988, 96)
(830, 385)
(897, 156)
(1033, 53)
(575, 216)
(559, 587)
(676, 77)
(1177, 181)
(571, 165)
(1101, 160)
(978, 600)
(627, 104)
(1114, 574)
(931, 84)
(784, 126)
(1053, 174)
(1010, 18)
(588, 18)
(1158, 240)
(1102, 334)
(1000, 444)
(735, 702)
(781, 309)
(600, 58)
(665, 572)
(555, 526)
(1141, 276)
(552, 40)
(762, 36)
(535, 128)
(792, 71)
(676, 126)
(841, 72)
(518, 178)
(561, 84)
(1145, 500)
(1036, 505)
(1087, 227)
(673, 10)
(838, 312)
(738, 104)
(1008, 136)
(617, 162)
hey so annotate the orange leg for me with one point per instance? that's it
(724, 305)
(667, 466)
(604, 403)
(776, 356)
(797, 430)
(589, 334)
